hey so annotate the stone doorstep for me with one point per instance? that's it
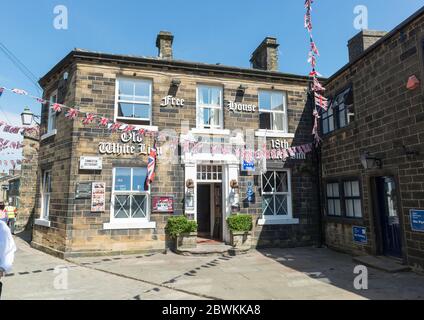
(387, 264)
(212, 249)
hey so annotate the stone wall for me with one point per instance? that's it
(387, 117)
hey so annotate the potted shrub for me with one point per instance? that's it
(182, 231)
(240, 226)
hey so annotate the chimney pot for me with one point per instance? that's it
(164, 42)
(265, 57)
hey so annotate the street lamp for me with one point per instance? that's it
(370, 162)
(28, 117)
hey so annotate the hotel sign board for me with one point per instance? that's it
(417, 220)
(91, 163)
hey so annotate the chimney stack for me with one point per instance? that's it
(362, 41)
(265, 57)
(164, 42)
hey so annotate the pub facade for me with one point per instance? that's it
(209, 125)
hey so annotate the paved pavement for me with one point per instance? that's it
(300, 273)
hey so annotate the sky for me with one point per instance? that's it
(218, 31)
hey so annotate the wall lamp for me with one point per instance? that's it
(370, 162)
(27, 117)
(242, 88)
(175, 82)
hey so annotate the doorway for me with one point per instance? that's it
(209, 211)
(387, 215)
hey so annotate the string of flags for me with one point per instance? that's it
(73, 113)
(320, 102)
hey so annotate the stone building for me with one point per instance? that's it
(372, 156)
(185, 103)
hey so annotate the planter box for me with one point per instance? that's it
(186, 241)
(241, 239)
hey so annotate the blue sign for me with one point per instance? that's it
(248, 166)
(360, 235)
(417, 220)
(250, 193)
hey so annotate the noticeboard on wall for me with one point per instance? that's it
(417, 220)
(163, 204)
(83, 190)
(359, 235)
(98, 197)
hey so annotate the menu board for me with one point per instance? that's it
(98, 197)
(163, 204)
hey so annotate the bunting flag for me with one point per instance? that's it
(321, 103)
(1, 91)
(90, 118)
(16, 129)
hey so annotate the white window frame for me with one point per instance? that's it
(279, 219)
(200, 107)
(129, 220)
(284, 112)
(117, 101)
(51, 120)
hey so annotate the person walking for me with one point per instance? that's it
(12, 213)
(7, 251)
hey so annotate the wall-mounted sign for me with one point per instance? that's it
(132, 144)
(417, 220)
(83, 190)
(163, 204)
(172, 101)
(240, 107)
(359, 235)
(91, 163)
(98, 197)
(248, 165)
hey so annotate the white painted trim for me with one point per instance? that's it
(274, 221)
(218, 132)
(129, 225)
(273, 134)
(48, 134)
(42, 222)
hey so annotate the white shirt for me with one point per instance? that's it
(7, 247)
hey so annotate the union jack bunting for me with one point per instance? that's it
(308, 21)
(312, 60)
(103, 121)
(115, 126)
(1, 91)
(72, 113)
(308, 4)
(89, 118)
(20, 91)
(141, 132)
(314, 48)
(128, 128)
(57, 107)
(151, 165)
(321, 101)
(42, 101)
(317, 85)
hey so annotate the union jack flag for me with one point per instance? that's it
(151, 165)
(321, 101)
(1, 91)
(314, 47)
(89, 118)
(103, 121)
(72, 113)
(317, 85)
(20, 91)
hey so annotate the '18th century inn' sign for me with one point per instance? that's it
(132, 143)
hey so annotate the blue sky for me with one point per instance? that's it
(224, 31)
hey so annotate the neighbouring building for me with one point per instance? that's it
(372, 155)
(91, 196)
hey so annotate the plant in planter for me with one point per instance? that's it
(182, 231)
(240, 226)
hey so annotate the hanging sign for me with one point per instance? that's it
(163, 204)
(417, 220)
(359, 235)
(98, 197)
(91, 163)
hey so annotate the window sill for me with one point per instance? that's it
(273, 134)
(42, 222)
(129, 225)
(274, 221)
(140, 126)
(48, 134)
(218, 132)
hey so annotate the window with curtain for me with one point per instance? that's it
(209, 107)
